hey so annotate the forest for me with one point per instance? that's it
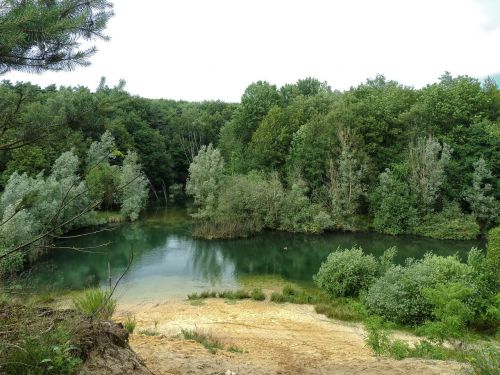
(301, 158)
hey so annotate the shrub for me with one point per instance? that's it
(278, 297)
(95, 302)
(493, 250)
(346, 272)
(484, 360)
(230, 294)
(258, 295)
(451, 223)
(397, 295)
(130, 323)
(450, 311)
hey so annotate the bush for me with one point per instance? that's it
(493, 250)
(230, 294)
(484, 360)
(258, 295)
(397, 295)
(449, 224)
(346, 272)
(95, 302)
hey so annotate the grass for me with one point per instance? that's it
(227, 294)
(149, 331)
(257, 295)
(130, 323)
(196, 302)
(211, 343)
(95, 302)
(346, 309)
(235, 349)
(36, 341)
(230, 294)
(298, 296)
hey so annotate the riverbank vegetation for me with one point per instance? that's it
(380, 156)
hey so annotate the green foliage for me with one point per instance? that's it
(346, 309)
(398, 294)
(209, 341)
(233, 295)
(480, 196)
(345, 273)
(257, 295)
(50, 353)
(450, 311)
(394, 212)
(205, 178)
(450, 223)
(130, 323)
(378, 337)
(484, 360)
(493, 250)
(133, 188)
(38, 36)
(95, 302)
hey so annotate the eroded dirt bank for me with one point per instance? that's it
(276, 339)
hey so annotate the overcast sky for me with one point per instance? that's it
(199, 49)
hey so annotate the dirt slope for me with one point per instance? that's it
(277, 339)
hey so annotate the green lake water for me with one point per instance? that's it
(169, 263)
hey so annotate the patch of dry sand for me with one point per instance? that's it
(276, 338)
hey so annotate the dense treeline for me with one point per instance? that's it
(39, 124)
(380, 155)
(298, 158)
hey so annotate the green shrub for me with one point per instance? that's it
(130, 323)
(346, 272)
(47, 354)
(484, 360)
(451, 223)
(378, 335)
(193, 296)
(493, 251)
(278, 297)
(95, 302)
(397, 295)
(258, 295)
(234, 294)
(208, 294)
(450, 311)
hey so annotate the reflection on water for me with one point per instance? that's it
(168, 262)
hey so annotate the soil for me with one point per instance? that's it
(101, 345)
(275, 339)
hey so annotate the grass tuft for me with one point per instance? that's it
(95, 302)
(211, 343)
(130, 323)
(258, 295)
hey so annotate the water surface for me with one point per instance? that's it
(169, 263)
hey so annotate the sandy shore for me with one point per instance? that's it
(276, 339)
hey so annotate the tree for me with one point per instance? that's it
(45, 35)
(479, 196)
(133, 187)
(345, 183)
(427, 160)
(205, 177)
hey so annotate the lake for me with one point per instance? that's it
(169, 263)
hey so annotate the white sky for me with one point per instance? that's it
(199, 49)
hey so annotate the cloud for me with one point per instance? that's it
(198, 49)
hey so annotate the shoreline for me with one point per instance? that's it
(274, 339)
